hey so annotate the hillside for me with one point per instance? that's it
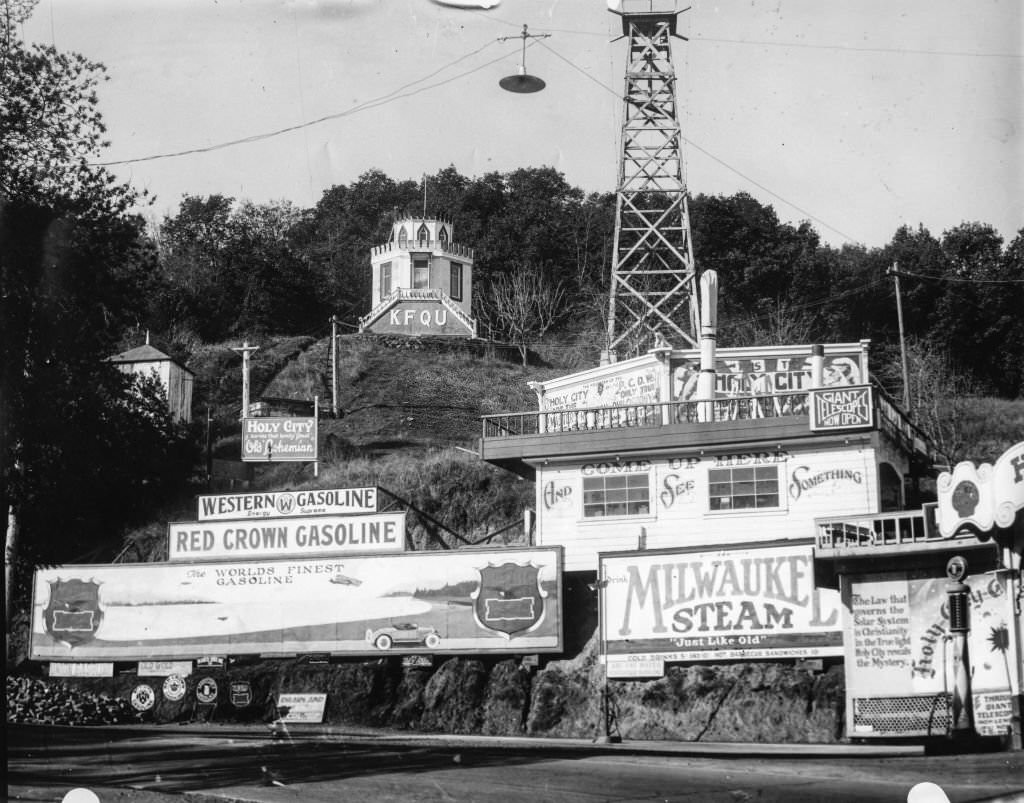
(409, 420)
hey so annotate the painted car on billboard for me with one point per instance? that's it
(404, 634)
(506, 601)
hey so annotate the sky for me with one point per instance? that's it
(857, 115)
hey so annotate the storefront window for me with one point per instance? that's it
(622, 495)
(754, 488)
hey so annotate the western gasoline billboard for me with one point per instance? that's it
(490, 601)
(279, 439)
(292, 537)
(736, 603)
(314, 502)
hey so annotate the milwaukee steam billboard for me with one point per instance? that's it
(498, 601)
(738, 603)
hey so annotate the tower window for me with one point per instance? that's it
(420, 274)
(455, 286)
(423, 234)
(403, 238)
(443, 236)
(385, 280)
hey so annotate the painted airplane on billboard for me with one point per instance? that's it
(468, 601)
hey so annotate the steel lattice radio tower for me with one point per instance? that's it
(654, 278)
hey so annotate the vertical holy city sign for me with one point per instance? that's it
(278, 440)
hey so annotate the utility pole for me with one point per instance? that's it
(334, 364)
(245, 350)
(209, 447)
(895, 273)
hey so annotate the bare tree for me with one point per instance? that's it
(940, 399)
(784, 324)
(522, 306)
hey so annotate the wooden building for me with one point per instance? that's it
(777, 520)
(176, 378)
(625, 454)
(422, 282)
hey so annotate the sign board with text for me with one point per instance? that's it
(301, 707)
(841, 408)
(274, 504)
(625, 667)
(163, 669)
(62, 669)
(503, 601)
(290, 537)
(896, 633)
(744, 602)
(278, 440)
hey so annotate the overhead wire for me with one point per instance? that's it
(714, 158)
(854, 49)
(395, 94)
(965, 280)
(400, 93)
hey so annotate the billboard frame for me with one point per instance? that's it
(462, 634)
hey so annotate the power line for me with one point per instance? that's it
(369, 104)
(964, 280)
(711, 156)
(902, 51)
(830, 299)
(850, 48)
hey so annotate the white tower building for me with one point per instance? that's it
(422, 282)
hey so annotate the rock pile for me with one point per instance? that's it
(44, 702)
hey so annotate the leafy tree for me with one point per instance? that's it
(335, 240)
(235, 269)
(193, 260)
(755, 255)
(79, 439)
(52, 128)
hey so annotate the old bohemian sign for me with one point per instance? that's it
(279, 439)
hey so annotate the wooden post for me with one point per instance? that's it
(334, 365)
(209, 447)
(895, 273)
(245, 350)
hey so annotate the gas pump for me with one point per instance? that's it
(958, 592)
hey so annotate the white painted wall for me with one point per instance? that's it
(815, 483)
(176, 380)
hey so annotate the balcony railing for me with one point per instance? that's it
(445, 246)
(875, 531)
(745, 408)
(418, 294)
(894, 422)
